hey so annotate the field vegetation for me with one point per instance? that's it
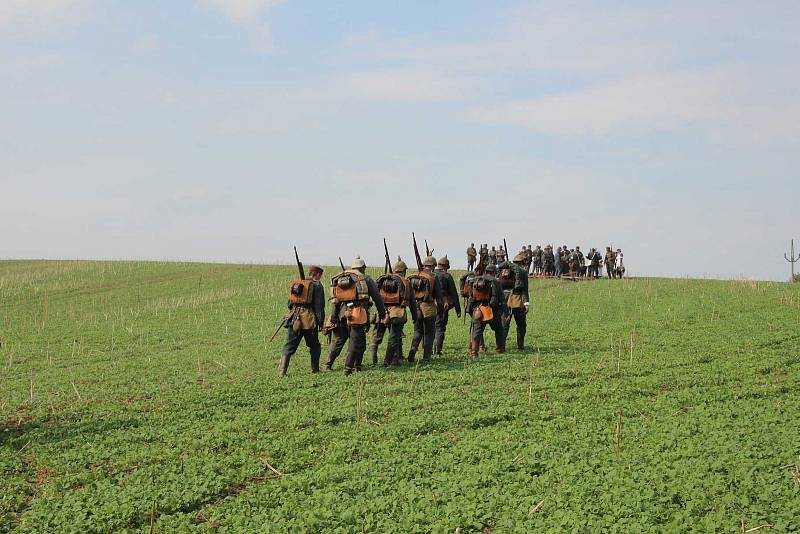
(145, 397)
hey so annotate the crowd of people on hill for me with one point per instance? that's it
(563, 261)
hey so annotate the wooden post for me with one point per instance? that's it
(792, 259)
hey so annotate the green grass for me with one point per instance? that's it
(139, 395)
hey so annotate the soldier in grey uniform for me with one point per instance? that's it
(451, 300)
(428, 309)
(300, 325)
(395, 317)
(344, 329)
(472, 255)
(610, 260)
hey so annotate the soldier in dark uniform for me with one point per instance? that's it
(451, 300)
(548, 261)
(517, 298)
(304, 323)
(430, 303)
(559, 263)
(594, 263)
(350, 318)
(395, 314)
(472, 254)
(610, 260)
(537, 260)
(487, 292)
(581, 261)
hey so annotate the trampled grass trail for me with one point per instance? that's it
(145, 397)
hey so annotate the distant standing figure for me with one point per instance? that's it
(559, 266)
(472, 254)
(493, 256)
(548, 261)
(594, 263)
(611, 262)
(620, 266)
(537, 259)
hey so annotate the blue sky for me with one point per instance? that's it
(232, 129)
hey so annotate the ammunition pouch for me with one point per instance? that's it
(396, 315)
(356, 315)
(427, 309)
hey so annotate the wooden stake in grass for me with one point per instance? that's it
(617, 435)
(153, 517)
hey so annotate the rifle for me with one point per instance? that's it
(342, 264)
(505, 247)
(299, 265)
(387, 268)
(282, 323)
(428, 251)
(416, 253)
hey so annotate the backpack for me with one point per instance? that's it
(481, 289)
(300, 292)
(391, 289)
(422, 286)
(506, 277)
(349, 286)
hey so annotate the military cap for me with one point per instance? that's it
(430, 261)
(315, 269)
(443, 261)
(400, 266)
(358, 263)
(491, 268)
(520, 258)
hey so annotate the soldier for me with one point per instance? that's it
(450, 298)
(537, 260)
(620, 270)
(472, 254)
(307, 305)
(501, 254)
(493, 256)
(528, 258)
(581, 261)
(611, 262)
(573, 261)
(428, 294)
(515, 287)
(487, 306)
(548, 261)
(594, 263)
(394, 290)
(352, 291)
(559, 266)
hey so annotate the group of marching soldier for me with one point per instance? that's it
(493, 295)
(563, 261)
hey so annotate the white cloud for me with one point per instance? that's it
(244, 11)
(723, 101)
(249, 14)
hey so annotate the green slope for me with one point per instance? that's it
(146, 394)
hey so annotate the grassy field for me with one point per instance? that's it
(145, 397)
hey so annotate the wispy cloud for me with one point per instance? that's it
(721, 101)
(249, 14)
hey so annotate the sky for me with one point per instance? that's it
(231, 130)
